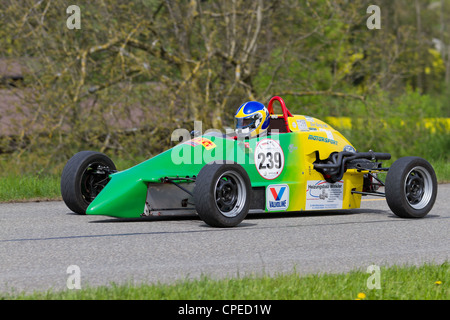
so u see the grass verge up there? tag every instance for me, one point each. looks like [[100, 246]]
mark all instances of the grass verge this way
[[29, 187], [426, 282], [19, 184]]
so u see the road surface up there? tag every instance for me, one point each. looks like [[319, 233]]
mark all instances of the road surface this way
[[39, 241]]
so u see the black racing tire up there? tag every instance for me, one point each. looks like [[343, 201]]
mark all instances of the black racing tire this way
[[83, 177], [411, 187], [222, 194]]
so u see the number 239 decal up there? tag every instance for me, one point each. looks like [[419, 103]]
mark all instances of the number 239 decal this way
[[269, 159]]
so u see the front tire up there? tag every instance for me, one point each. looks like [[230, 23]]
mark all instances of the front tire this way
[[222, 194], [83, 177], [411, 187]]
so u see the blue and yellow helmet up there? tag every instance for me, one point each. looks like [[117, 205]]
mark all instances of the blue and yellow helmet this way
[[252, 119]]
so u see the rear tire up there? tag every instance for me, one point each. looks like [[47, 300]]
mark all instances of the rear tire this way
[[411, 187], [83, 177], [222, 194]]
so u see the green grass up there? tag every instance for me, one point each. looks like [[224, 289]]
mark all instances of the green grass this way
[[442, 169], [29, 187], [19, 183], [428, 281]]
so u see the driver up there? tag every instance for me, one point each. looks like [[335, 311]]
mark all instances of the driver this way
[[251, 120]]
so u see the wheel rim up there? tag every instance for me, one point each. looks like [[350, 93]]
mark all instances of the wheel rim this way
[[93, 180], [418, 187], [230, 194]]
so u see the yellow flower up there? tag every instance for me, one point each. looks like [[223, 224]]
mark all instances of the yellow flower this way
[[438, 282], [361, 295]]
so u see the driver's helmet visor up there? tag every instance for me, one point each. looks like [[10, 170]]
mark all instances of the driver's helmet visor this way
[[247, 122]]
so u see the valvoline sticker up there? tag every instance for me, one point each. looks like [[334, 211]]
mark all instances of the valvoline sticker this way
[[277, 197]]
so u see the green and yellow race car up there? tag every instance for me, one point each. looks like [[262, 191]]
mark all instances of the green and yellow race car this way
[[269, 163]]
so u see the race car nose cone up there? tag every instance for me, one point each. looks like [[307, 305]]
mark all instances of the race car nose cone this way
[[122, 197]]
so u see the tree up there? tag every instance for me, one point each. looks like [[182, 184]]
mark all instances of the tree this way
[[136, 70]]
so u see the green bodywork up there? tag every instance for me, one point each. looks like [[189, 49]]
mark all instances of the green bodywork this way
[[125, 194]]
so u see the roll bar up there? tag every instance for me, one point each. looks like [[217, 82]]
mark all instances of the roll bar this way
[[286, 112]]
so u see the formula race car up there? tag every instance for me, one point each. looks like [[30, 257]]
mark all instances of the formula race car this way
[[298, 164]]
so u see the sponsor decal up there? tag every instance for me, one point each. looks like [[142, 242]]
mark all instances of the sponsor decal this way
[[208, 144], [313, 123], [328, 133], [277, 197], [269, 159], [319, 125], [322, 139], [322, 195], [302, 126]]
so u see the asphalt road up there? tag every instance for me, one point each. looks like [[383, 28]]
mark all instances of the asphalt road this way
[[39, 241]]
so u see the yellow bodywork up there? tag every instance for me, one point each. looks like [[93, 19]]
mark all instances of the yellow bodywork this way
[[312, 135]]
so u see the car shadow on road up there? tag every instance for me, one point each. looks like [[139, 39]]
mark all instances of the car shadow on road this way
[[250, 216], [305, 214]]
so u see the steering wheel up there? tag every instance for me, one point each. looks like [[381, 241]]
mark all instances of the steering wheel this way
[[286, 112]]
